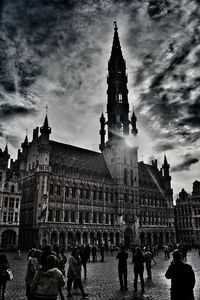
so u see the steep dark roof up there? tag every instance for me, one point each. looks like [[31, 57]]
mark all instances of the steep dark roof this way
[[79, 158], [150, 176]]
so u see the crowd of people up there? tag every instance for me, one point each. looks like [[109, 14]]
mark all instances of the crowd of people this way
[[46, 270]]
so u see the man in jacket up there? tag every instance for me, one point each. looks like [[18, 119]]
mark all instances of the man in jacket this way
[[182, 278], [122, 257]]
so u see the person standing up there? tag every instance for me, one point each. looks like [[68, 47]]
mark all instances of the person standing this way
[[102, 252], [48, 281], [74, 273], [94, 253], [84, 258], [148, 258], [138, 260], [4, 277], [122, 257], [166, 251], [182, 278], [32, 267]]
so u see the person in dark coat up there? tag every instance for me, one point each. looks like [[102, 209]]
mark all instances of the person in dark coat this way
[[84, 258], [4, 266], [102, 252], [182, 278], [139, 260], [94, 253], [122, 257]]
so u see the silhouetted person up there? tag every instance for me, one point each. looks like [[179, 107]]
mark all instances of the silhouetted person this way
[[102, 252], [84, 258], [94, 253], [74, 272], [4, 266], [122, 257], [138, 260], [148, 258], [182, 278], [166, 251]]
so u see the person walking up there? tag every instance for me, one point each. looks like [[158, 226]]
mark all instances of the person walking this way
[[84, 258], [182, 278], [138, 260], [148, 258], [47, 281], [166, 251], [32, 267], [94, 253], [4, 276], [122, 257], [74, 273], [102, 252], [62, 262]]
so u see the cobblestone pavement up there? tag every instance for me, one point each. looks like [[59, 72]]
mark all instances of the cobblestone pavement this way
[[102, 282]]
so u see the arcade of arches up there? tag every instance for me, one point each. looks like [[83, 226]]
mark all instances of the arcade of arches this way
[[153, 238], [71, 237]]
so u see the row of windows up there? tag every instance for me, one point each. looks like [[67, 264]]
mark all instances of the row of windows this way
[[10, 217], [85, 217], [11, 203], [152, 221], [86, 194], [185, 210], [152, 201]]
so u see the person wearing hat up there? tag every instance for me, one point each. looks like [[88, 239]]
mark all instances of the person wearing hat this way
[[182, 278]]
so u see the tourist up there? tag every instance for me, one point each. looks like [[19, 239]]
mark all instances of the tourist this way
[[74, 272], [32, 267], [94, 253], [182, 278], [102, 252], [48, 281], [4, 276], [88, 251], [84, 258], [62, 261], [166, 251], [122, 257], [148, 258], [138, 260]]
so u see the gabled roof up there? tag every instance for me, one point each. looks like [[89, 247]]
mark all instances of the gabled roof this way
[[150, 176], [78, 158]]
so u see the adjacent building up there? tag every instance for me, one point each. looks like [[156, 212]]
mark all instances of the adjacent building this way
[[187, 214], [10, 198], [75, 195]]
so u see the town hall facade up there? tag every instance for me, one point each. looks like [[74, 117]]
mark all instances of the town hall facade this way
[[74, 195]]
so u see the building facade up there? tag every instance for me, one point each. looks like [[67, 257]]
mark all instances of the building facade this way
[[74, 195], [187, 213], [10, 198]]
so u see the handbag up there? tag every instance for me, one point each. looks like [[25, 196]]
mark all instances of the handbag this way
[[10, 274]]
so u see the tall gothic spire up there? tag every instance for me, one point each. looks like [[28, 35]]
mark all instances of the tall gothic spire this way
[[116, 48], [45, 129]]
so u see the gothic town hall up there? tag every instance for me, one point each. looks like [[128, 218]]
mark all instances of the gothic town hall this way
[[74, 195]]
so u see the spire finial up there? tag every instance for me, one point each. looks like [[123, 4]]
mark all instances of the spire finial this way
[[115, 24], [46, 107], [6, 140]]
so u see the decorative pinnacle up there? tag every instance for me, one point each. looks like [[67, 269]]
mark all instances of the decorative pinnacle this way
[[46, 107], [115, 24]]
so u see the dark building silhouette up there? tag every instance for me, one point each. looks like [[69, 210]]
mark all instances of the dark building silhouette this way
[[187, 213], [75, 195]]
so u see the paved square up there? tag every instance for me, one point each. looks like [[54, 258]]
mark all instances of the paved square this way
[[102, 282]]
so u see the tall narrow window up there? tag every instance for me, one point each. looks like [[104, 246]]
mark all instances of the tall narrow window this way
[[50, 215], [120, 98], [125, 176], [73, 192], [132, 180], [57, 216], [58, 190], [51, 189]]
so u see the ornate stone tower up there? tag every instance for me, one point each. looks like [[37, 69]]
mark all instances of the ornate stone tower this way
[[121, 159]]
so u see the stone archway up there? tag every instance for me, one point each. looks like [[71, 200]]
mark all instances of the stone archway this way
[[155, 239], [70, 238], [117, 239], [160, 239], [62, 239], [8, 239], [148, 238], [98, 238], [128, 237], [85, 238], [105, 238], [92, 238], [78, 237], [54, 238], [142, 239], [167, 238], [111, 239]]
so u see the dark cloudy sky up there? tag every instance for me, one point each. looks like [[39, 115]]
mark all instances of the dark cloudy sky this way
[[55, 52]]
